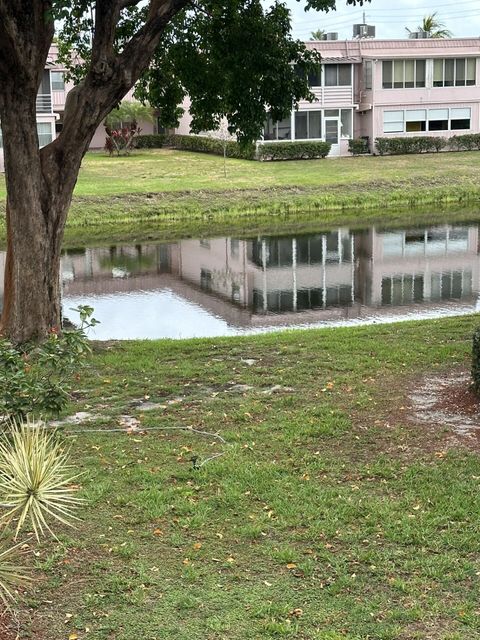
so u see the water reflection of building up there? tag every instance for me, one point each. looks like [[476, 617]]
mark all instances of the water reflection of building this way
[[305, 278]]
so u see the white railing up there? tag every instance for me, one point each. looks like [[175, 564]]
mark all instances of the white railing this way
[[333, 96], [44, 103], [58, 98]]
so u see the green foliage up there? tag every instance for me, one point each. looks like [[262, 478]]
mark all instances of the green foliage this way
[[426, 144], [293, 150], [12, 575], [35, 478], [129, 113], [233, 58], [151, 141], [466, 142], [358, 146], [476, 361], [36, 378], [203, 144], [432, 26]]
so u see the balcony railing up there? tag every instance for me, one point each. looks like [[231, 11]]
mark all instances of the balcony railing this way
[[44, 103], [59, 98]]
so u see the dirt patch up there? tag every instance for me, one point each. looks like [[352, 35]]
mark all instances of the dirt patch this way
[[447, 401], [9, 627]]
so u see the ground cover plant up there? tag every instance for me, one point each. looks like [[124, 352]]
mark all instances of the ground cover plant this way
[[267, 487]]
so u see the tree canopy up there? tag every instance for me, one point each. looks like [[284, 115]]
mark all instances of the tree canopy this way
[[233, 58]]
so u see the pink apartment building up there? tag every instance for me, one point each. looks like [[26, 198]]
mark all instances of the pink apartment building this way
[[364, 88], [380, 88]]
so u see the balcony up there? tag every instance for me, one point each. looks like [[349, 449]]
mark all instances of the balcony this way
[[333, 97], [44, 103]]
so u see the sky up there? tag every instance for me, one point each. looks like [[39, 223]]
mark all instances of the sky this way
[[461, 17]]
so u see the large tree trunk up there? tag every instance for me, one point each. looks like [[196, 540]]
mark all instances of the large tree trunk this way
[[39, 188]]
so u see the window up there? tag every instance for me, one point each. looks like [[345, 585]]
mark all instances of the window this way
[[308, 125], [338, 75], [315, 77], [281, 130], [393, 121], [418, 120], [460, 118], [402, 289], [415, 120], [205, 279], [438, 119], [44, 130], [403, 74], [58, 81], [367, 74], [454, 72], [347, 127]]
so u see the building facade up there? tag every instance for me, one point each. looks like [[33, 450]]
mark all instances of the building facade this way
[[384, 88]]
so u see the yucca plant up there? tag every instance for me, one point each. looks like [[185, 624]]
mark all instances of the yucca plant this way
[[12, 575], [35, 474]]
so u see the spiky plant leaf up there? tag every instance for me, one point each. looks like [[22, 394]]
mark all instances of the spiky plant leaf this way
[[35, 478], [11, 574]]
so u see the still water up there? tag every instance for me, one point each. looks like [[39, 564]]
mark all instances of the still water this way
[[231, 286]]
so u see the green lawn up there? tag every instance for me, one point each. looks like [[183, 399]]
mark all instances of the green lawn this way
[[159, 192], [329, 516], [166, 170]]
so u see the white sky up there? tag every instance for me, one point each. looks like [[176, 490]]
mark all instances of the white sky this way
[[461, 17]]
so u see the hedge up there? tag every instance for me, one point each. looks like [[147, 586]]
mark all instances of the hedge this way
[[203, 144], [358, 146], [293, 150], [476, 361], [151, 141], [424, 144]]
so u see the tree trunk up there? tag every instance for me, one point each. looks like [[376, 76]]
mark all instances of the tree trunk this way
[[39, 194]]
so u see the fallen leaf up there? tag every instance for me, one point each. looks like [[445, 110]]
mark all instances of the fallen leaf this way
[[291, 565]]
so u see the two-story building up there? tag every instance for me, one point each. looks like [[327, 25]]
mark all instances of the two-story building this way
[[379, 88]]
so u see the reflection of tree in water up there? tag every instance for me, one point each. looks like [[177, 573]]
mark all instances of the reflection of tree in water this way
[[129, 261]]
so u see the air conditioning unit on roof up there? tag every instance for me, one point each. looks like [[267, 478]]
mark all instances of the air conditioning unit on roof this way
[[363, 31], [332, 35]]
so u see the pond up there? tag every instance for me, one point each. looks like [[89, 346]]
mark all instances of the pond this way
[[232, 285]]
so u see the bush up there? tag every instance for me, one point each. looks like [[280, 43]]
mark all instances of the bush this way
[[467, 142], [204, 144], [35, 379], [293, 150], [417, 144], [358, 146], [476, 361], [151, 141]]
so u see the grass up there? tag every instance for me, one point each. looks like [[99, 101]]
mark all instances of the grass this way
[[328, 516], [165, 191]]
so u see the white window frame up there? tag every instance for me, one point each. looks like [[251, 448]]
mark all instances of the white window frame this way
[[404, 119]]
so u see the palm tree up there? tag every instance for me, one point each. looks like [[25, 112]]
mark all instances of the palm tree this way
[[432, 27], [318, 34]]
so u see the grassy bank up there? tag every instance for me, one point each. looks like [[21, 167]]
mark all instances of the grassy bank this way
[[153, 192], [330, 515]]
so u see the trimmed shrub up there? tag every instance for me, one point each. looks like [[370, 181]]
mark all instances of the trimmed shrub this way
[[293, 150], [467, 142], [476, 361], [151, 141], [204, 144], [417, 144], [358, 146]]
